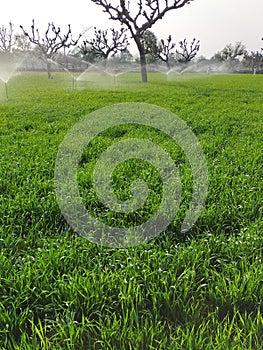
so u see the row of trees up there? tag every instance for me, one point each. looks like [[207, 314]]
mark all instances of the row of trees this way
[[233, 53], [102, 45], [106, 43], [139, 18], [136, 20]]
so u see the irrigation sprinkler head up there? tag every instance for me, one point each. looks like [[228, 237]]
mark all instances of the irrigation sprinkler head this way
[[6, 91]]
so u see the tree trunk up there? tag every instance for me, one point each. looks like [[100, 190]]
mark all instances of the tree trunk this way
[[143, 67], [142, 58], [49, 75]]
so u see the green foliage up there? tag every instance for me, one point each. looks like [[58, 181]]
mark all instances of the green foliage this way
[[198, 291], [149, 41]]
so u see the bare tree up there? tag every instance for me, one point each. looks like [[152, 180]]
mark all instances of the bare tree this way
[[105, 43], [52, 41], [253, 60], [7, 38], [230, 52], [138, 18], [165, 51], [187, 53]]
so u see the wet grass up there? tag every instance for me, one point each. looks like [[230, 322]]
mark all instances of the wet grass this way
[[202, 290]]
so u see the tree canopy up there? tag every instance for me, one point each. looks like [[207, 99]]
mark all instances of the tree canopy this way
[[138, 18]]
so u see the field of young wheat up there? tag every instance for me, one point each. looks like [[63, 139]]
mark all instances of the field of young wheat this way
[[198, 290]]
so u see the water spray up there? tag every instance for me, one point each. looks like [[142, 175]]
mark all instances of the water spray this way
[[74, 82], [8, 65], [6, 91], [66, 70]]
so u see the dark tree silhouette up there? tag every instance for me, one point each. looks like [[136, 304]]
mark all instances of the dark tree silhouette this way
[[52, 41], [7, 38], [187, 53], [165, 51], [138, 18], [105, 43]]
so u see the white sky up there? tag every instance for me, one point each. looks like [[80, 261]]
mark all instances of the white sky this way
[[214, 22]]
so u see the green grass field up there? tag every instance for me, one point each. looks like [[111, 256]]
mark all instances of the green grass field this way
[[201, 290]]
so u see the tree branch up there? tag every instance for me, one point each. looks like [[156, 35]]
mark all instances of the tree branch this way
[[186, 55], [164, 52], [148, 12], [7, 38], [52, 41], [103, 43], [138, 19]]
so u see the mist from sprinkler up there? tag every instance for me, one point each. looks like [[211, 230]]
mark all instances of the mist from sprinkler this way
[[105, 73], [9, 63]]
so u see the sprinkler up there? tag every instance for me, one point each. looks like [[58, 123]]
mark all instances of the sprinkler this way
[[74, 82], [6, 92], [8, 66]]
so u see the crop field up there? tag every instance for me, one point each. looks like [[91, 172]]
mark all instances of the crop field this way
[[199, 290]]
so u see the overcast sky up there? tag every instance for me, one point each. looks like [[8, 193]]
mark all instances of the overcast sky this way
[[214, 22]]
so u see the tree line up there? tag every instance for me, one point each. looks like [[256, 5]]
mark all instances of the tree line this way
[[136, 22]]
